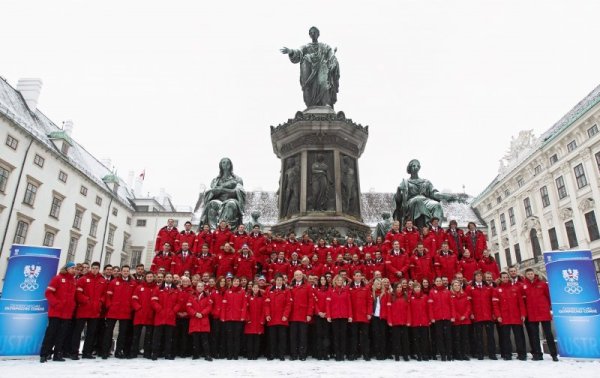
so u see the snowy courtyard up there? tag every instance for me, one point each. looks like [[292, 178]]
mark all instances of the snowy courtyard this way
[[30, 367]]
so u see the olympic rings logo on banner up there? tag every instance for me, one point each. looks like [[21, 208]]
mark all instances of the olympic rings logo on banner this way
[[29, 286]]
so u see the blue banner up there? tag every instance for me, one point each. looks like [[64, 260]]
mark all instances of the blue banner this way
[[23, 306], [575, 302]]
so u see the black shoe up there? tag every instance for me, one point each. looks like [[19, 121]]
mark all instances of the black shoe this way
[[119, 354], [195, 357], [406, 358], [74, 356], [493, 357], [396, 358], [154, 357], [58, 358], [367, 358], [537, 358], [293, 358], [269, 358], [443, 358], [132, 356], [169, 358], [555, 358], [522, 358], [208, 359], [88, 357], [43, 359], [281, 358], [302, 358], [480, 357]]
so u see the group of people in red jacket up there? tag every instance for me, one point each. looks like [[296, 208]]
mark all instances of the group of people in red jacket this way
[[220, 294]]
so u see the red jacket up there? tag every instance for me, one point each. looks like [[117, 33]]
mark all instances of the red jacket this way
[[461, 307], [481, 302], [166, 236], [205, 264], [379, 266], [411, 238], [537, 300], [203, 237], [399, 311], [419, 310], [244, 266], [445, 265], [489, 265], [291, 246], [306, 249], [224, 263], [354, 249], [455, 240], [141, 302], [322, 252], [186, 237], [278, 304], [199, 303], [255, 324], [368, 266], [362, 303], [301, 296], [189, 263], [278, 266], [239, 239], [90, 296], [60, 294], [321, 295], [475, 243], [383, 301], [165, 303], [421, 267], [508, 304], [370, 248], [440, 237], [216, 296], [430, 242], [220, 237], [339, 304], [256, 243], [162, 260], [234, 305], [393, 236], [396, 263], [118, 298], [183, 298], [440, 307], [468, 267], [270, 246]]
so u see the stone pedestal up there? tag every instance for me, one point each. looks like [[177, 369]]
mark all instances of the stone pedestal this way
[[319, 183]]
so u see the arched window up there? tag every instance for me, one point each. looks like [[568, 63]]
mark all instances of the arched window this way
[[535, 244]]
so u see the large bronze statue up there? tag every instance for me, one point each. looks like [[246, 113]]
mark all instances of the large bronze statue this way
[[225, 199], [417, 200], [320, 183], [291, 189], [385, 225], [319, 71], [348, 185]]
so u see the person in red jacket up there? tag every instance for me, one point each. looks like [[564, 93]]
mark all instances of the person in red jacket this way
[[399, 320], [278, 306], [143, 318], [185, 261], [362, 310], [60, 294], [255, 325], [461, 319], [421, 264], [509, 310], [322, 250], [90, 297], [455, 237], [203, 237], [240, 237], [165, 302], [221, 236], [396, 263], [445, 262], [482, 315], [280, 266], [322, 330], [256, 243], [118, 302], [429, 240], [379, 298], [164, 259], [182, 340], [475, 241], [198, 307], [489, 264], [411, 236], [186, 236], [205, 261], [420, 322], [379, 264], [467, 265], [394, 234], [225, 261], [233, 313], [245, 264], [537, 304], [167, 234], [217, 338], [438, 232], [336, 248], [370, 246], [339, 314], [301, 296], [440, 308]]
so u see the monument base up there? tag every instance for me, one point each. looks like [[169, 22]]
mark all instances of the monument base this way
[[323, 225]]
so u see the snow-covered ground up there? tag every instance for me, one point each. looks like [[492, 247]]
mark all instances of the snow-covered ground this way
[[30, 367]]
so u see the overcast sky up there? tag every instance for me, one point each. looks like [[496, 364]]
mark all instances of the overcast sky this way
[[173, 86]]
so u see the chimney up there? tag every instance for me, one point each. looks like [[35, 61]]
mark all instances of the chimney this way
[[68, 127], [30, 90]]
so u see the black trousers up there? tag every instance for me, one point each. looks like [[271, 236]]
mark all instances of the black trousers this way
[[68, 339], [135, 344], [200, 339], [100, 335], [252, 346], [339, 329], [443, 338], [277, 340], [533, 332], [506, 344], [421, 341], [90, 335], [157, 335], [216, 346], [124, 326], [298, 339], [322, 342], [400, 341], [460, 337], [182, 339], [478, 329], [379, 338], [359, 339], [54, 337], [234, 331]]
